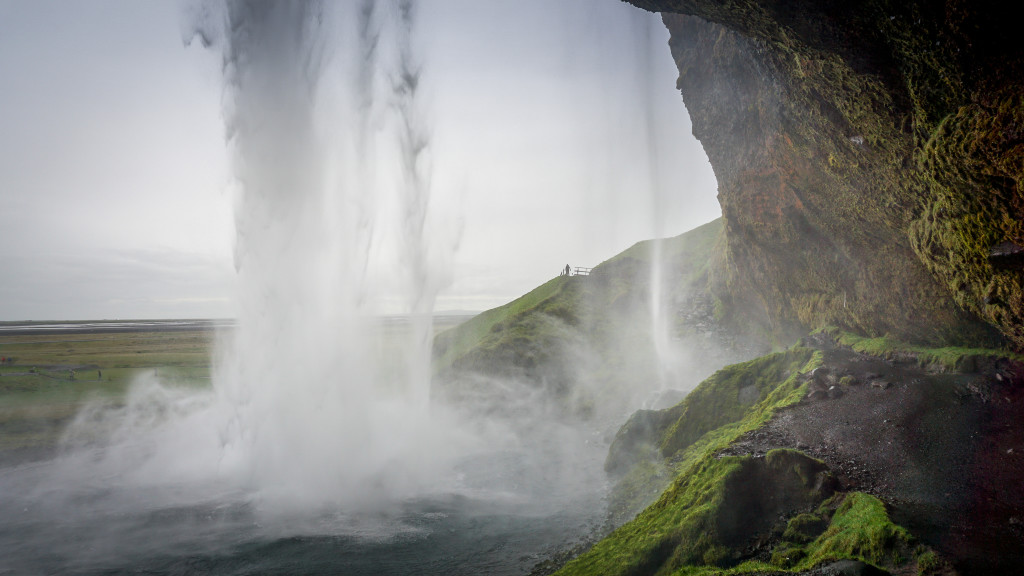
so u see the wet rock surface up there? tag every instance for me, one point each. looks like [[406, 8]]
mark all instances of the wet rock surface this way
[[840, 568], [1008, 255], [945, 451]]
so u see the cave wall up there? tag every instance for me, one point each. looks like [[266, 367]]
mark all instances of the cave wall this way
[[869, 158]]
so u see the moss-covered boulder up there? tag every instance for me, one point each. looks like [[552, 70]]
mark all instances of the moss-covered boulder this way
[[708, 515], [655, 445]]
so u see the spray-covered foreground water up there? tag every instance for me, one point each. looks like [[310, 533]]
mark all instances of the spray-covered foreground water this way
[[112, 508]]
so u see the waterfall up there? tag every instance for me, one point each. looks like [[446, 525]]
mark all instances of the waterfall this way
[[331, 158]]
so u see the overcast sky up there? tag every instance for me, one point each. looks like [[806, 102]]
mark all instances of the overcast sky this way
[[115, 187]]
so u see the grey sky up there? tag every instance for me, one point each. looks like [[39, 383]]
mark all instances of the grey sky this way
[[115, 196]]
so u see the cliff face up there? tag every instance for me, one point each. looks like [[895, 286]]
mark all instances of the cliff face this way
[[869, 159]]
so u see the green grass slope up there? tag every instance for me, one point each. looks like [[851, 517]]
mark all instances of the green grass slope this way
[[585, 339], [578, 299]]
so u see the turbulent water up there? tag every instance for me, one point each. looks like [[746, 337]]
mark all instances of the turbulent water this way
[[487, 523], [317, 449]]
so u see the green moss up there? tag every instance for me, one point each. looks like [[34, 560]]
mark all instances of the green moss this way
[[705, 515], [684, 526], [928, 561], [974, 166], [849, 526], [860, 529], [731, 393], [744, 568], [683, 516], [786, 556], [948, 358], [804, 528], [639, 488]]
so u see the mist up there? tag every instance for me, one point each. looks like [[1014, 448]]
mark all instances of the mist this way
[[321, 422]]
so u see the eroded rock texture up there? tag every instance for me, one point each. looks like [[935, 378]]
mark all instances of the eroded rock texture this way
[[869, 157]]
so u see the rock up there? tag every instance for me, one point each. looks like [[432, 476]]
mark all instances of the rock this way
[[835, 392], [668, 398], [634, 442], [819, 386], [980, 388], [1008, 255], [849, 568], [880, 384]]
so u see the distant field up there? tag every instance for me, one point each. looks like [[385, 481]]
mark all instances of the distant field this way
[[47, 377], [50, 373]]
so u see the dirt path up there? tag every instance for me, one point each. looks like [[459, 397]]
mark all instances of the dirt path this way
[[945, 451]]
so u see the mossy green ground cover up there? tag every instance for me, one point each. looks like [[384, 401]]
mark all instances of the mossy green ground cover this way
[[946, 358], [859, 528]]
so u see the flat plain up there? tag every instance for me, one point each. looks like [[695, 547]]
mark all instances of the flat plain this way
[[47, 377], [48, 374]]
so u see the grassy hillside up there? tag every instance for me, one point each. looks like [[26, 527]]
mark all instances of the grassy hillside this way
[[588, 341], [574, 298]]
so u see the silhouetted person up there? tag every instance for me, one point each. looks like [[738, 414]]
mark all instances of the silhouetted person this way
[[566, 269]]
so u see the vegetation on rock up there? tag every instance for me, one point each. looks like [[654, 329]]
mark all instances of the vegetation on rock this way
[[720, 514], [869, 160]]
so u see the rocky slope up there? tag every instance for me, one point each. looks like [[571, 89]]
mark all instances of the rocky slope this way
[[798, 460]]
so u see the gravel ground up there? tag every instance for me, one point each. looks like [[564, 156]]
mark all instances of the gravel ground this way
[[944, 451]]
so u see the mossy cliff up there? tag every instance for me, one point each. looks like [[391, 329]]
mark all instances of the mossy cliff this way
[[869, 157]]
